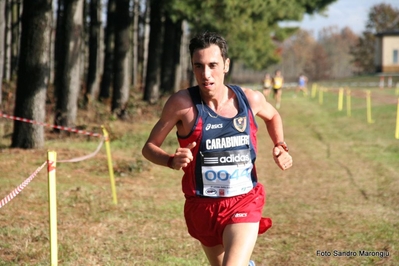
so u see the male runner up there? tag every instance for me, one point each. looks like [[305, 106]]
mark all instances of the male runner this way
[[216, 130]]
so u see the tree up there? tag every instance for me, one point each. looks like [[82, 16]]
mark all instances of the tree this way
[[2, 30], [145, 37], [33, 73], [121, 81], [151, 91], [7, 41], [170, 54], [135, 43], [319, 65], [329, 56], [93, 74], [250, 28], [109, 37], [382, 17], [15, 35], [68, 67], [297, 53], [337, 45]]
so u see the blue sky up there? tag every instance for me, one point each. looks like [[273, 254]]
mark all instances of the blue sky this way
[[342, 13]]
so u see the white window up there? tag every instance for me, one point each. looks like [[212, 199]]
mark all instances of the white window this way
[[395, 56]]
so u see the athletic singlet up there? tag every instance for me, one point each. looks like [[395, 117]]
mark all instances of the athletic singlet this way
[[267, 83], [225, 154], [277, 82], [301, 81]]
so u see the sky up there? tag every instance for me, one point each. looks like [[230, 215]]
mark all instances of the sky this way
[[342, 13]]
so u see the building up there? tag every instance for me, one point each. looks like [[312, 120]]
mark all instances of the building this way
[[387, 52]]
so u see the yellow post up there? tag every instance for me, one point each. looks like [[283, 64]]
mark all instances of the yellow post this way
[[110, 166], [340, 99], [348, 102], [314, 90], [368, 99], [52, 192], [321, 96], [397, 122]]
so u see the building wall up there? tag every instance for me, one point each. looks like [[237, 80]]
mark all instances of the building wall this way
[[389, 44]]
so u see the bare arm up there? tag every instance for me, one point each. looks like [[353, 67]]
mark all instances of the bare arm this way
[[173, 113], [261, 108]]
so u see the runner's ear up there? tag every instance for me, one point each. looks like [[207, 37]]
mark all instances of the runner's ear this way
[[226, 65]]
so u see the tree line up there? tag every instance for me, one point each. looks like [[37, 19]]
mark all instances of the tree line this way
[[104, 49], [325, 58], [336, 53]]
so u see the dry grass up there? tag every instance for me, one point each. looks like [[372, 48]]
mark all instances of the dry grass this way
[[342, 194]]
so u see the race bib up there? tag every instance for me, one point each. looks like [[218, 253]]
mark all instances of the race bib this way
[[226, 174]]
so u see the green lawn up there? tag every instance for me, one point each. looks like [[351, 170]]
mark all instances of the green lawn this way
[[341, 196]]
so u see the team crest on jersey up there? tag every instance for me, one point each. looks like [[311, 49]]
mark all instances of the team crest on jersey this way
[[240, 123]]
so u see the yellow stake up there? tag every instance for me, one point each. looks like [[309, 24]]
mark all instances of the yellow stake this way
[[110, 166], [348, 102], [321, 96], [397, 122], [314, 90], [340, 99], [368, 98], [52, 193]]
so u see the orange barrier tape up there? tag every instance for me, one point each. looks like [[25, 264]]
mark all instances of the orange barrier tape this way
[[48, 125], [79, 159], [16, 191]]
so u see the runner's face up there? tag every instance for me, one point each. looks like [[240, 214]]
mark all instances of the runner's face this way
[[209, 68]]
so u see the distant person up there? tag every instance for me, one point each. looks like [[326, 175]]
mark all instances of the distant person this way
[[302, 85], [277, 83], [381, 84], [216, 127], [267, 85], [389, 82]]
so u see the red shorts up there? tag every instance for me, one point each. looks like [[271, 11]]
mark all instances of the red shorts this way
[[206, 218]]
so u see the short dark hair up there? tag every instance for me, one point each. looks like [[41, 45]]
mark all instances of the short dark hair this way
[[206, 39]]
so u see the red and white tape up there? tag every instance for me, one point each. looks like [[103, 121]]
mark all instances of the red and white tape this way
[[48, 125], [85, 157], [16, 191]]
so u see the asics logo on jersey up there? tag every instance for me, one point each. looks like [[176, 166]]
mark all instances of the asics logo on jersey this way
[[214, 126]]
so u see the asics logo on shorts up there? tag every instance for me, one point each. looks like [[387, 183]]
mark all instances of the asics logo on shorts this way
[[240, 215]]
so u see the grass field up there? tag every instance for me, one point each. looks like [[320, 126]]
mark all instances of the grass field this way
[[341, 196]]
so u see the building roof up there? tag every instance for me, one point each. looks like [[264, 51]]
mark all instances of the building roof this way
[[387, 33]]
